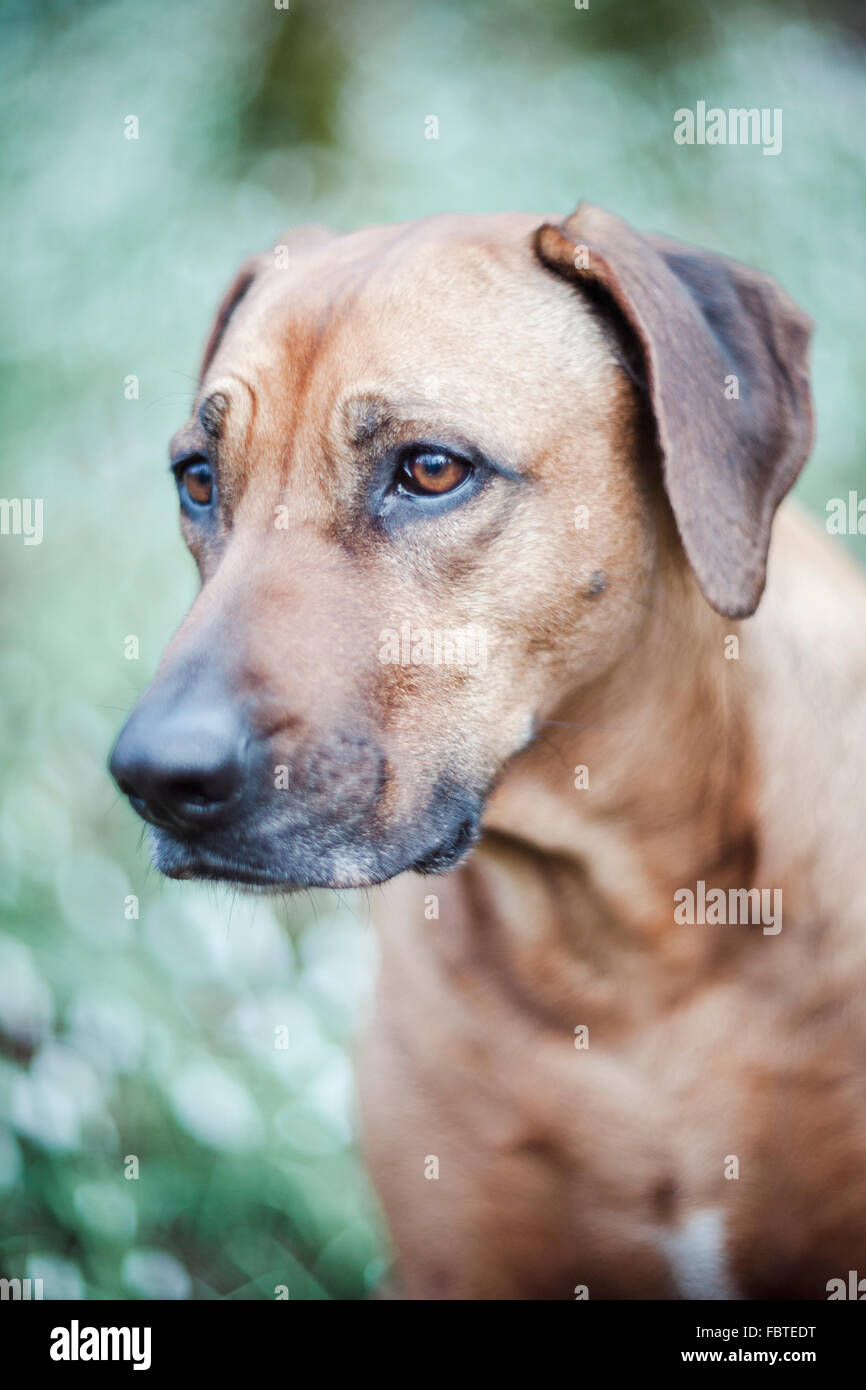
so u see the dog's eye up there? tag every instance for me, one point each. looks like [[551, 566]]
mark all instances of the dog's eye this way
[[196, 480], [430, 473]]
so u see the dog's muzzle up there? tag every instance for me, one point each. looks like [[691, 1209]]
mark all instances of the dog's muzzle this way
[[299, 808]]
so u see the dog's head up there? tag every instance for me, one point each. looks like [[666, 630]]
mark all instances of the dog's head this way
[[417, 457]]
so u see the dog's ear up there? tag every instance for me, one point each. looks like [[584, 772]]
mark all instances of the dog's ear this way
[[724, 354]]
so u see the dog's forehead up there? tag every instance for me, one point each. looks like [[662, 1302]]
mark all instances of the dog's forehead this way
[[454, 310], [432, 285], [429, 241], [433, 271]]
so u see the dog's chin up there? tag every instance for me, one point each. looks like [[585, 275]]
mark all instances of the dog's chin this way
[[285, 868]]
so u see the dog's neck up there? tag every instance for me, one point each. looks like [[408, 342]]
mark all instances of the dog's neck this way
[[644, 781]]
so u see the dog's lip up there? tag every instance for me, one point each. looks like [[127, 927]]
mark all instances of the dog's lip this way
[[193, 861], [227, 872], [277, 859], [224, 874], [189, 863]]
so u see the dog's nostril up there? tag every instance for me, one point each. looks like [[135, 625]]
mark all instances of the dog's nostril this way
[[188, 793]]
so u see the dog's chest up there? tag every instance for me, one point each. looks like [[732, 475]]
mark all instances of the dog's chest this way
[[691, 1154]]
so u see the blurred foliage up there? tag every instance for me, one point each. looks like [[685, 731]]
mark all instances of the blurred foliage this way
[[155, 1036]]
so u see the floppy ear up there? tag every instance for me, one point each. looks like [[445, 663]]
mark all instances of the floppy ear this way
[[730, 449]]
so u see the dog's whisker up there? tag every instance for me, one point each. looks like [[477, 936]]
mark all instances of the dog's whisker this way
[[170, 396]]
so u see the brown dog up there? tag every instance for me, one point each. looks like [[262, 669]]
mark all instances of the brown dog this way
[[479, 505]]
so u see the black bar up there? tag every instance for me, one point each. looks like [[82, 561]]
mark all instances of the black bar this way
[[266, 1337]]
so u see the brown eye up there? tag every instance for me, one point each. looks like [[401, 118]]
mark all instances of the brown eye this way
[[431, 474], [197, 479]]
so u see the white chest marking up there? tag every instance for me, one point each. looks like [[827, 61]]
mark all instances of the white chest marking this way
[[696, 1251]]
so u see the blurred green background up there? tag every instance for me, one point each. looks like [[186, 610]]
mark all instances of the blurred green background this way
[[154, 1036]]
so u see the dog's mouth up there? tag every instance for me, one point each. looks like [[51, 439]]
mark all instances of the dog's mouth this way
[[176, 858], [453, 851], [315, 858]]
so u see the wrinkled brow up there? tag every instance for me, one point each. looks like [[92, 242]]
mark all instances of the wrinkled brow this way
[[368, 417], [212, 413], [204, 428]]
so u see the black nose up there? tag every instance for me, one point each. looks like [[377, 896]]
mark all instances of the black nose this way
[[183, 766]]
